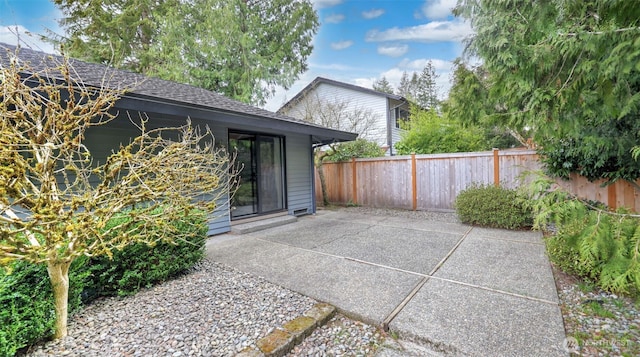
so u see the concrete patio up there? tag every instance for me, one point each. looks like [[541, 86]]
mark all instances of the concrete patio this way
[[444, 288]]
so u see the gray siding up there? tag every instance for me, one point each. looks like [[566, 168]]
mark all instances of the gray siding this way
[[299, 185], [102, 140]]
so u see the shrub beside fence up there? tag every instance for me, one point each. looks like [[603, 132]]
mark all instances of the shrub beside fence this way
[[432, 182]]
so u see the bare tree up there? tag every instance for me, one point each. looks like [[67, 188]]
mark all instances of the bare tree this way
[[55, 202], [340, 114]]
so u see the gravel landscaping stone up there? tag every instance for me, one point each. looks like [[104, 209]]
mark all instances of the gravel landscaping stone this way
[[211, 311], [214, 310], [447, 217], [340, 337], [597, 323]]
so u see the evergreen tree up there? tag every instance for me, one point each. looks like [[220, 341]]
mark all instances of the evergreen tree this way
[[243, 49], [427, 91], [414, 85], [468, 99], [569, 70], [469, 104], [383, 85], [404, 89]]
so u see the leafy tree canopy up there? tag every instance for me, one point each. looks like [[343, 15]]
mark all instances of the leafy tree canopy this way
[[429, 133], [470, 105], [243, 49], [357, 148], [468, 100], [570, 70]]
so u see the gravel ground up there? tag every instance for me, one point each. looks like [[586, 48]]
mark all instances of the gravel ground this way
[[449, 217], [340, 337], [217, 311], [212, 311], [598, 323]]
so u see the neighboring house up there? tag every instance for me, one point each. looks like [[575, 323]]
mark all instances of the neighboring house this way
[[276, 151], [324, 100]]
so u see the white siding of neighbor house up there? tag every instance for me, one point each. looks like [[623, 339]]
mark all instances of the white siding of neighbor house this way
[[396, 133], [357, 99], [299, 185]]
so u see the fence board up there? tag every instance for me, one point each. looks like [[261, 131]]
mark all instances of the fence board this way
[[387, 182]]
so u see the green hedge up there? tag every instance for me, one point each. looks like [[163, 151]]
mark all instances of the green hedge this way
[[27, 314], [493, 206], [140, 266]]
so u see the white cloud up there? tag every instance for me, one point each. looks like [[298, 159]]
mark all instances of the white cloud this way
[[431, 32], [334, 18], [438, 9], [372, 14], [341, 45], [393, 51], [364, 82], [332, 67], [419, 64], [10, 35], [320, 4]]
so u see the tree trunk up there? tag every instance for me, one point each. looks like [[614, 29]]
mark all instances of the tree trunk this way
[[323, 184], [59, 277]]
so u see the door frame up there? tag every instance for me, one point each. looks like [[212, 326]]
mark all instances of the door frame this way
[[256, 157]]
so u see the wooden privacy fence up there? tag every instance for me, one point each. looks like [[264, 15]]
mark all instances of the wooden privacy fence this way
[[432, 182]]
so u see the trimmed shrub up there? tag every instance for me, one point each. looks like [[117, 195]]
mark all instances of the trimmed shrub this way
[[28, 315], [358, 148], [492, 206], [141, 266]]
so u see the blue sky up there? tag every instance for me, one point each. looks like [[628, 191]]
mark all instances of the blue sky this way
[[358, 41]]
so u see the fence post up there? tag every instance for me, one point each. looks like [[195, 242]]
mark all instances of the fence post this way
[[414, 182], [496, 167], [612, 200], [354, 181]]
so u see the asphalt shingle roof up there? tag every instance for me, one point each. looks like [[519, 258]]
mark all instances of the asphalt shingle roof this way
[[318, 80], [94, 75]]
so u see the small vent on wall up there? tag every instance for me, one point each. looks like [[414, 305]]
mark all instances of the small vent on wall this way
[[300, 212]]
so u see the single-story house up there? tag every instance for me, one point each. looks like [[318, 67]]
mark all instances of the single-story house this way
[[275, 150], [388, 110]]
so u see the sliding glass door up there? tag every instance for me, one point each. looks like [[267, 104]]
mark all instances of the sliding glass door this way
[[262, 186]]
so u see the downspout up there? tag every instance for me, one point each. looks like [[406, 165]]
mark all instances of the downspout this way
[[313, 173], [390, 127]]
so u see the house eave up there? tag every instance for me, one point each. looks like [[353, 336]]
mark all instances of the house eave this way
[[144, 103]]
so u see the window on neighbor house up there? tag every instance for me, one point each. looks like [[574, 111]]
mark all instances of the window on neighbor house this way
[[402, 116]]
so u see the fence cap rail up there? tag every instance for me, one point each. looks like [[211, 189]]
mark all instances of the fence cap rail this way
[[507, 152]]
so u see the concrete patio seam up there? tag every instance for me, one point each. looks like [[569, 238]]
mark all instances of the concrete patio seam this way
[[424, 276], [384, 266], [496, 291], [446, 257], [302, 249], [382, 224], [416, 289]]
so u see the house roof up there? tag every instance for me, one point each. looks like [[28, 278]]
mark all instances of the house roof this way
[[169, 92], [319, 80]]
